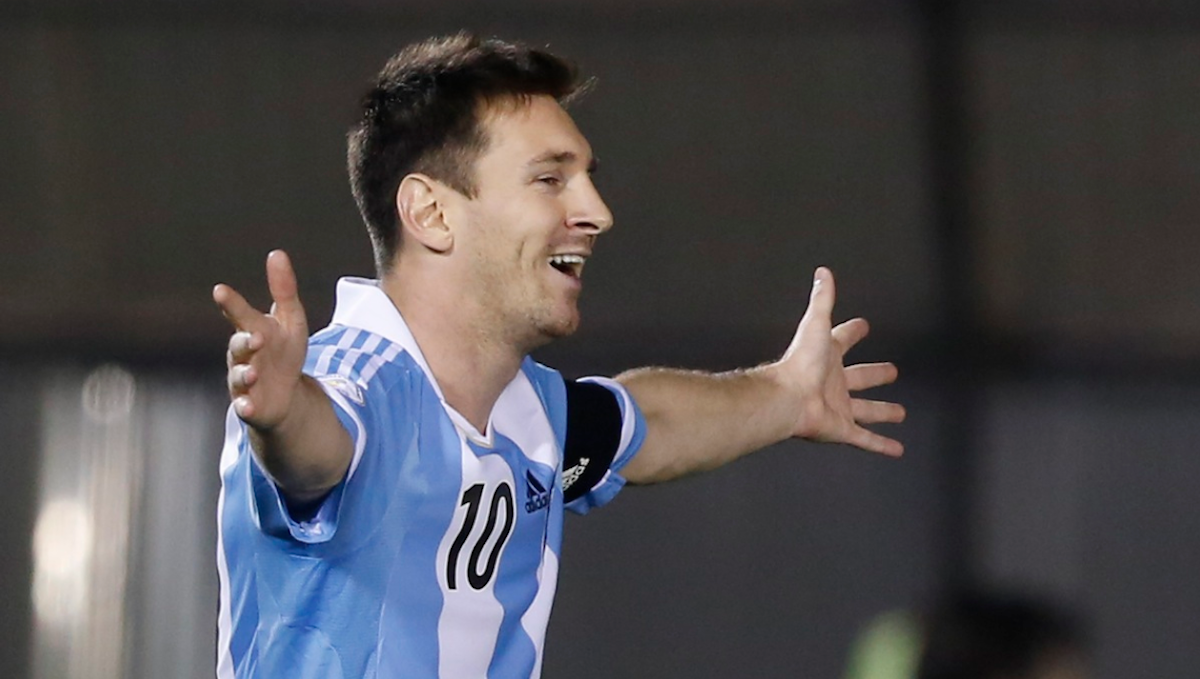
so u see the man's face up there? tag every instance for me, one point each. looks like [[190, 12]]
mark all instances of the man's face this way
[[532, 223]]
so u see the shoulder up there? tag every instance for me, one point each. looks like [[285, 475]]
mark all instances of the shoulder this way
[[547, 383], [346, 356]]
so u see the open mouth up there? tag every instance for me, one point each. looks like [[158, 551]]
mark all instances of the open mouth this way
[[570, 265]]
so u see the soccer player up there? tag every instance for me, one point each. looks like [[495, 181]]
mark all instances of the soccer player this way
[[393, 487]]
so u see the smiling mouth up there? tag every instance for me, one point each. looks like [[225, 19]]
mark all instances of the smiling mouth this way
[[570, 265]]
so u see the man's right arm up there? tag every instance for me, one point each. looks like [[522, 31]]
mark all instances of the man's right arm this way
[[293, 429]]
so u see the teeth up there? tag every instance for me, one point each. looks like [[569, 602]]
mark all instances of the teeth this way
[[564, 260]]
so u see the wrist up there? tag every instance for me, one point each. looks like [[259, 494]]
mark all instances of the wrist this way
[[783, 412]]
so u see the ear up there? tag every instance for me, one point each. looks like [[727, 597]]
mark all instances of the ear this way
[[422, 214]]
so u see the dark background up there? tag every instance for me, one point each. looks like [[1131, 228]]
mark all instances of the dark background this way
[[1006, 190]]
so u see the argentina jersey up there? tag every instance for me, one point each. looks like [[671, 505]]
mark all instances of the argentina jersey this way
[[437, 555]]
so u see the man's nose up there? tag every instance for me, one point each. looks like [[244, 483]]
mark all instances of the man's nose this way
[[590, 213]]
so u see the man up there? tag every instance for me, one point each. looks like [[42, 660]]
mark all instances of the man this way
[[980, 634], [975, 634], [393, 488]]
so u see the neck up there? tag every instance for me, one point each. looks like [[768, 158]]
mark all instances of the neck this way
[[471, 364]]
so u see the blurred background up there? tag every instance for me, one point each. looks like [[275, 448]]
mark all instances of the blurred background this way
[[1007, 190]]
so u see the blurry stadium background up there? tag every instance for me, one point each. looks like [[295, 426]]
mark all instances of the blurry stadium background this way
[[1008, 191]]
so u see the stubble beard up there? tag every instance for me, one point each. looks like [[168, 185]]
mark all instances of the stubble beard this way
[[559, 328], [525, 315], [543, 322]]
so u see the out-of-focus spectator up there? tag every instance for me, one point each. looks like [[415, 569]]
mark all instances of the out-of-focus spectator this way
[[1000, 636], [975, 635]]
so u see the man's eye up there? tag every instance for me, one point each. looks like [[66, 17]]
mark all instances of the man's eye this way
[[549, 180]]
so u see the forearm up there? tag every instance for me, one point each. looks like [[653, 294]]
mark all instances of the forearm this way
[[309, 451], [698, 421]]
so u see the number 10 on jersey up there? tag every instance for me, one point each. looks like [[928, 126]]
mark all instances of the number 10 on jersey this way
[[481, 570]]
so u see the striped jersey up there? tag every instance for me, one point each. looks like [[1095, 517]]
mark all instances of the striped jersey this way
[[437, 555]]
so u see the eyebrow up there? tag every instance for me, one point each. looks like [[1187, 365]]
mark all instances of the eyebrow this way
[[562, 158]]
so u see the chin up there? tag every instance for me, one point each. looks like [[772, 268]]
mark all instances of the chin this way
[[561, 327], [552, 327], [566, 329]]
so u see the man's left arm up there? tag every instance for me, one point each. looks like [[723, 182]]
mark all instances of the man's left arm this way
[[699, 421]]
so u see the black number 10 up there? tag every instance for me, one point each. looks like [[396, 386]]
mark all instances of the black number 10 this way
[[472, 499]]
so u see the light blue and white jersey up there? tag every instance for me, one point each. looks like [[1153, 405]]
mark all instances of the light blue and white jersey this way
[[437, 555]]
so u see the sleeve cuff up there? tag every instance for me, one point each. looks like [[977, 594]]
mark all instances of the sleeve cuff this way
[[633, 433], [317, 524]]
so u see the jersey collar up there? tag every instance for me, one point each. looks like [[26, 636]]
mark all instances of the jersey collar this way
[[362, 304]]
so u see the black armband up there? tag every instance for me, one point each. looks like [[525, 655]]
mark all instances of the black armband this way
[[593, 437]]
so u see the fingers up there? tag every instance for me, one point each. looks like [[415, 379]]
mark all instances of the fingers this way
[[244, 407], [850, 333], [235, 307], [872, 412], [242, 346], [867, 375], [266, 353], [874, 443], [281, 280], [241, 377]]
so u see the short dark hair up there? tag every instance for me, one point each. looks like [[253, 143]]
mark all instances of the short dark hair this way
[[424, 115]]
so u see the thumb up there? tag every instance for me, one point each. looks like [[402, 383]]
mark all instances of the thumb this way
[[820, 301], [281, 280], [817, 320]]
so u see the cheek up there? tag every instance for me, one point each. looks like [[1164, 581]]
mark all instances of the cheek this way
[[517, 231], [487, 235]]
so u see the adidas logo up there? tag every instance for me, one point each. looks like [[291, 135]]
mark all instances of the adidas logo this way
[[570, 476], [536, 495]]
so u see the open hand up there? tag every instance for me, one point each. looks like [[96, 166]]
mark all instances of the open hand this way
[[812, 370], [267, 351]]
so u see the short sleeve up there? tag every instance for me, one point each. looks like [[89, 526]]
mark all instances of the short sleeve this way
[[605, 429], [340, 371]]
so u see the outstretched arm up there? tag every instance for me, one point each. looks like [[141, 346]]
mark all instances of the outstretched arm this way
[[293, 428], [699, 421]]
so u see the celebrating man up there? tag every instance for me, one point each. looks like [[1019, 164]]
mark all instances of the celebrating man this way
[[394, 486]]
